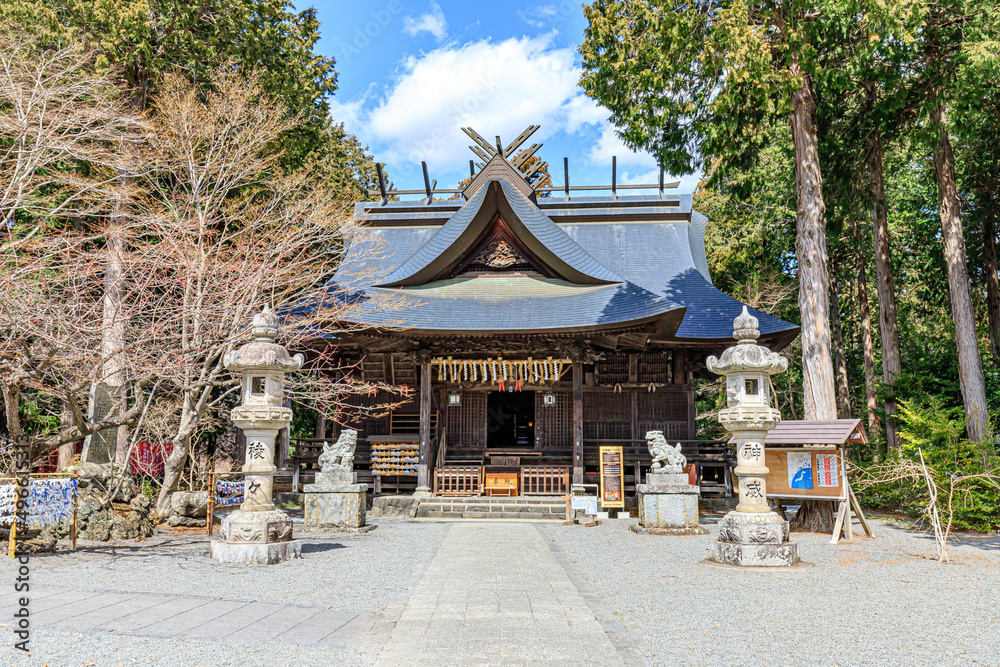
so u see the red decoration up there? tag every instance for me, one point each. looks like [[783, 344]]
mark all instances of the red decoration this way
[[148, 459]]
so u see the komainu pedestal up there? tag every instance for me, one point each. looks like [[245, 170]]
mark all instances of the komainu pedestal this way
[[340, 506], [336, 500], [668, 503]]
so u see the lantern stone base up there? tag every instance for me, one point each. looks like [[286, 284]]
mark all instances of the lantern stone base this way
[[668, 503], [339, 506], [255, 554], [262, 538], [754, 539]]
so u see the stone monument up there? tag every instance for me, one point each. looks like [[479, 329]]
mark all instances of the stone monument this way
[[336, 500], [668, 504], [258, 532], [751, 535]]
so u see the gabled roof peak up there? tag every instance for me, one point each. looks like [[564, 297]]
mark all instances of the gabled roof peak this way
[[458, 241], [496, 169]]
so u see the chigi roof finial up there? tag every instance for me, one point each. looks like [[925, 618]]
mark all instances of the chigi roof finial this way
[[487, 151]]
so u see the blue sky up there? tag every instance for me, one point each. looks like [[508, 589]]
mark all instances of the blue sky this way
[[411, 74]]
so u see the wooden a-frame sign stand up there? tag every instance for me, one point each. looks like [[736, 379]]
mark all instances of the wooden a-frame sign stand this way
[[846, 511], [819, 447]]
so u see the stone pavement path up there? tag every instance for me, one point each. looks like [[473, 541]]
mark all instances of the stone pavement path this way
[[190, 617], [495, 593]]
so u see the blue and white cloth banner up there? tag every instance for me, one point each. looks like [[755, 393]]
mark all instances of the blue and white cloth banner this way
[[49, 501], [228, 493]]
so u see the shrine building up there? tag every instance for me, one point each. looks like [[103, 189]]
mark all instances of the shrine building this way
[[538, 326]]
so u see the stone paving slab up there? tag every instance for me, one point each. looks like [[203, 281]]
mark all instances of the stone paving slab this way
[[316, 628], [193, 618], [112, 612], [155, 616], [271, 627], [225, 624], [473, 605], [70, 615]]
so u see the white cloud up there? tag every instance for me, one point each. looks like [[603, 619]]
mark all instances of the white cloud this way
[[609, 145], [349, 113], [497, 88], [539, 17], [432, 22]]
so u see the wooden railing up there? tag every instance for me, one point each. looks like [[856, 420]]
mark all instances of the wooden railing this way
[[458, 481], [544, 480]]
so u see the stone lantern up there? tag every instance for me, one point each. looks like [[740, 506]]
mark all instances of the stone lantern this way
[[752, 534], [257, 532]]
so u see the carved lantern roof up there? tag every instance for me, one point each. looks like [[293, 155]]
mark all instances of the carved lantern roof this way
[[263, 354], [746, 355]]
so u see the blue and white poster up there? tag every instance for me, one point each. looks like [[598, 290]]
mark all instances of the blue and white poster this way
[[800, 470]]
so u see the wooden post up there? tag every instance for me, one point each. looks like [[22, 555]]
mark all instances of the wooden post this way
[[284, 440], [577, 422], [423, 468], [210, 514], [680, 366], [76, 504], [320, 425]]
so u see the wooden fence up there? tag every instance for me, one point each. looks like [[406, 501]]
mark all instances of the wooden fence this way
[[458, 481], [544, 480]]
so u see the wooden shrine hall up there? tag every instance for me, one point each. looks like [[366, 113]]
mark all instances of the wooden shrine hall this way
[[538, 326]]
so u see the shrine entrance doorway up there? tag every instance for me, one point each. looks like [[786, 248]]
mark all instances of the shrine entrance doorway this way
[[510, 419]]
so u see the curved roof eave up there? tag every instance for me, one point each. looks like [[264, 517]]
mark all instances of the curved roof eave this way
[[535, 229]]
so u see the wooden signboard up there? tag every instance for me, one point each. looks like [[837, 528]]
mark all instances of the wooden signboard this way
[[612, 478], [806, 474], [497, 483]]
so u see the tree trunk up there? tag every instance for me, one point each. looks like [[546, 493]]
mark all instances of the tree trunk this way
[[814, 516], [113, 332], [871, 395], [840, 360], [810, 250], [888, 321], [11, 404], [67, 450], [173, 467], [992, 281], [970, 365]]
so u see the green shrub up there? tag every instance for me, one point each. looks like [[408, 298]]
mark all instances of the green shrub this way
[[955, 464]]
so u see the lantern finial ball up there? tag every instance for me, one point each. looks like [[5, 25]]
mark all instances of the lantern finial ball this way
[[745, 327], [265, 325]]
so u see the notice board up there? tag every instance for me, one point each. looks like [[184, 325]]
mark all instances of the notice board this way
[[807, 474], [612, 478]]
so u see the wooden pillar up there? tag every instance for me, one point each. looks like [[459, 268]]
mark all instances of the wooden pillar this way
[[634, 400], [423, 468], [680, 366], [284, 440], [320, 425], [577, 422]]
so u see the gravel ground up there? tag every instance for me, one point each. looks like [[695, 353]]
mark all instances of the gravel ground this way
[[366, 571], [875, 602], [882, 601], [85, 649]]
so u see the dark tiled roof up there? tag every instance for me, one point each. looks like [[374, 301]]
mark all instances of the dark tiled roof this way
[[464, 227], [518, 304], [641, 257]]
